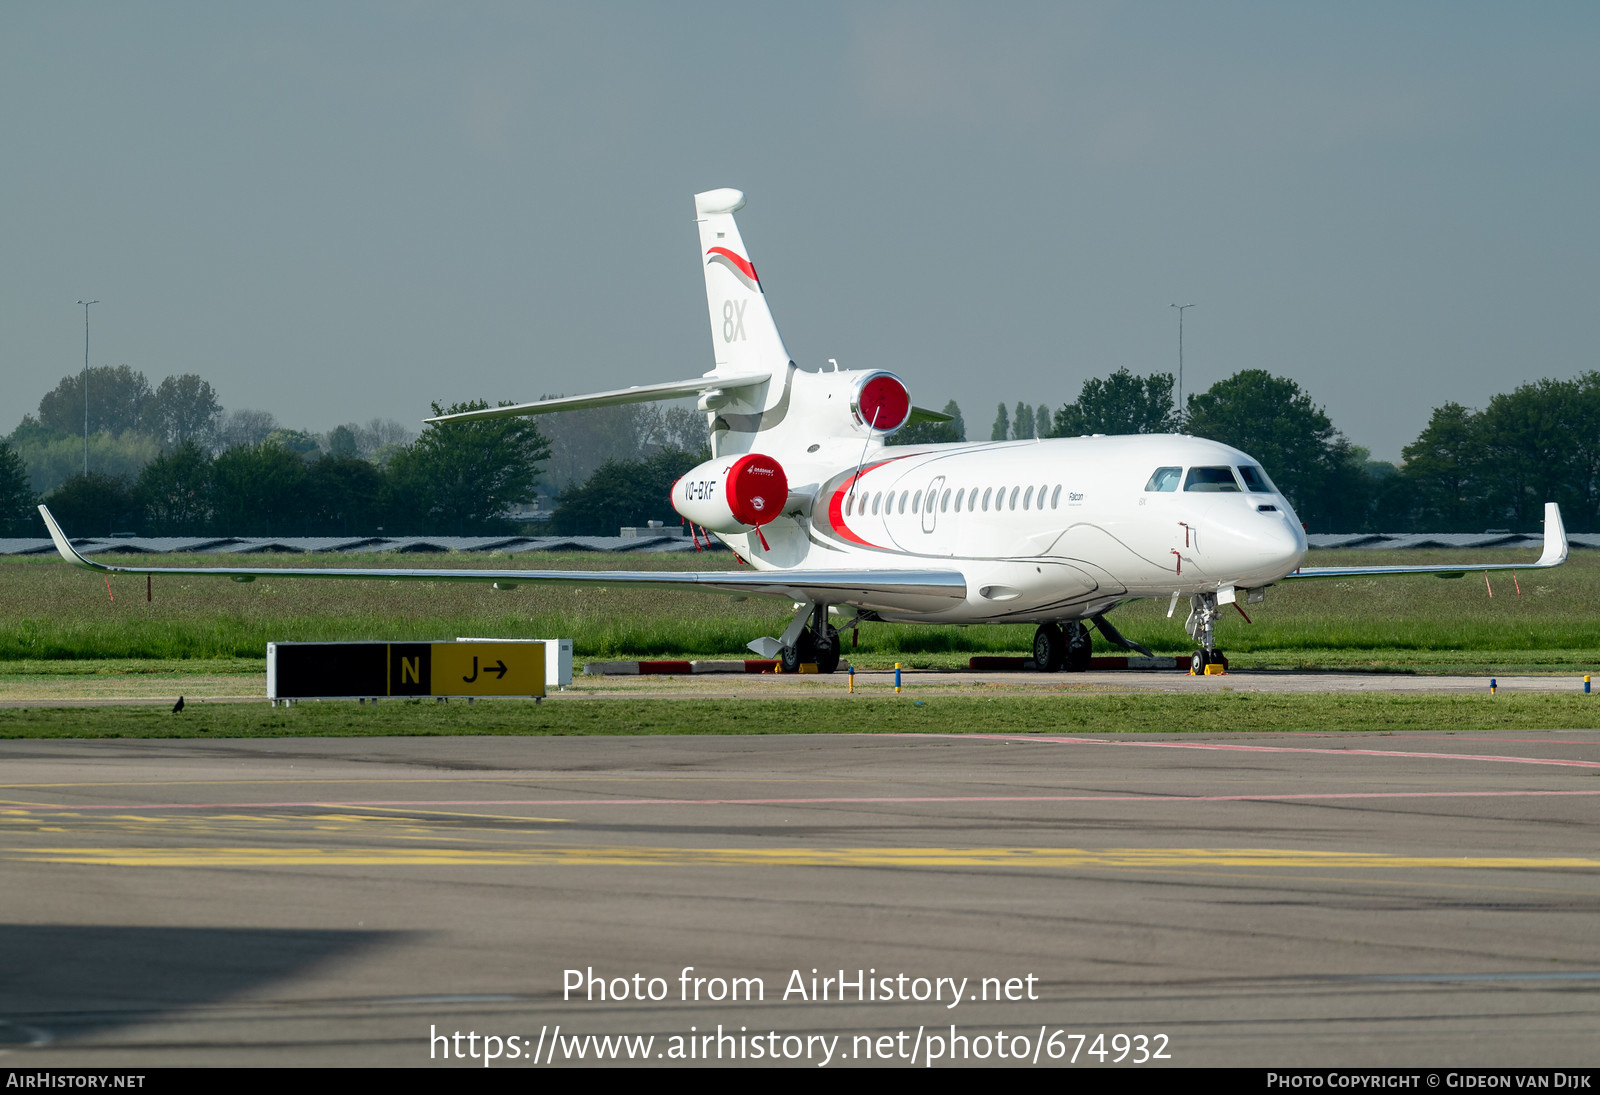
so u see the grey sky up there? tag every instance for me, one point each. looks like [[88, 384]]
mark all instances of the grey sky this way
[[336, 211]]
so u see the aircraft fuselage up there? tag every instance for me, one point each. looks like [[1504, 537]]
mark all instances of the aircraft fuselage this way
[[1050, 529]]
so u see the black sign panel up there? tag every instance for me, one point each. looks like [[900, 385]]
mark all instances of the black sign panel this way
[[349, 670]]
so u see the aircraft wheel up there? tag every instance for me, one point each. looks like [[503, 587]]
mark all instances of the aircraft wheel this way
[[1049, 648], [1197, 663], [804, 650], [827, 651], [1080, 647]]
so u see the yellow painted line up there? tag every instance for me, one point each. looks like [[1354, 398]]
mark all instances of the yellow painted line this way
[[1115, 858], [379, 780]]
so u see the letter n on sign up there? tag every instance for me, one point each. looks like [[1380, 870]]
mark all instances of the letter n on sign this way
[[410, 669]]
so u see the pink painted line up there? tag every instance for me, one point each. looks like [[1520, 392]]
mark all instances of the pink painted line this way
[[866, 800], [1520, 741], [1289, 749]]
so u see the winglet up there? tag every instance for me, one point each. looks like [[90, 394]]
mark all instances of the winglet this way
[[63, 545], [1555, 537]]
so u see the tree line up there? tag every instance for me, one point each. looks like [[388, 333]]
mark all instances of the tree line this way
[[1468, 470], [129, 424], [457, 480]]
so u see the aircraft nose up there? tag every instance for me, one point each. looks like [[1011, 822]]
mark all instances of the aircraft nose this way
[[1283, 542], [1270, 544]]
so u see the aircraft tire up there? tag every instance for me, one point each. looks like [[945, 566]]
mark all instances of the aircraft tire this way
[[804, 650], [827, 651], [1049, 648]]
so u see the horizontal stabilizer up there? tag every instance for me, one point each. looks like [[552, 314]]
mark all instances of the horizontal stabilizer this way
[[644, 393]]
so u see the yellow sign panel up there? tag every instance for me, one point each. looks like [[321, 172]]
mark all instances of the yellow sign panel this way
[[487, 669]]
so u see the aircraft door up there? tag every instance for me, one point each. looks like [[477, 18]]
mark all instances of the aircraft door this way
[[930, 510]]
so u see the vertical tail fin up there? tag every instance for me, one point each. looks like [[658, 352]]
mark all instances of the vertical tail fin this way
[[743, 335]]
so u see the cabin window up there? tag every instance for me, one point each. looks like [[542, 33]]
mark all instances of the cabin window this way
[[1214, 480], [1055, 497], [1255, 480], [987, 491], [944, 503], [1164, 480], [1027, 498], [849, 503], [876, 499], [960, 494], [916, 500], [972, 500], [1014, 491]]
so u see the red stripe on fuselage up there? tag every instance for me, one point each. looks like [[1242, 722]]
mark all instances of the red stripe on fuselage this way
[[836, 505]]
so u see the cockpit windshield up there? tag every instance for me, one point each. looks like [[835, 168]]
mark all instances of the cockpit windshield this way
[[1256, 480], [1164, 479], [1211, 479]]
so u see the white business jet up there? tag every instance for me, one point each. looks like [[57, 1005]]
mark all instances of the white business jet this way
[[801, 484]]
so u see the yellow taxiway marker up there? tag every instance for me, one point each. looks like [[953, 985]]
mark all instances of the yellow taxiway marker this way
[[1114, 858]]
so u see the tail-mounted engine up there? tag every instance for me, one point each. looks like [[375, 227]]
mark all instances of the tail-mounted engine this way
[[733, 494], [845, 402], [881, 402]]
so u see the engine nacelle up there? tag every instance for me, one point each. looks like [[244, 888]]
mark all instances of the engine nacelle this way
[[880, 401], [733, 493]]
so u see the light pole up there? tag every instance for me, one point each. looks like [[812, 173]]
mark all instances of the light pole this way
[[86, 304], [1180, 308]]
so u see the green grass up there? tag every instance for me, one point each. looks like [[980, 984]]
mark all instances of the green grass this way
[[1054, 713], [57, 613]]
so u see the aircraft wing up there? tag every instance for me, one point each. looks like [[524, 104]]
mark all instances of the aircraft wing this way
[[1554, 554], [644, 393], [801, 585]]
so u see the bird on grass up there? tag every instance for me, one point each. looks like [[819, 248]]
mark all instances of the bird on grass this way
[[177, 706]]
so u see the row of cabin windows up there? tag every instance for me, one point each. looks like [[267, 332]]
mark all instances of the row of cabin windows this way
[[1201, 479], [861, 504], [1212, 480]]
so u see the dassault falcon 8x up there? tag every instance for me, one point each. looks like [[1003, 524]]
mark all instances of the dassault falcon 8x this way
[[1054, 532]]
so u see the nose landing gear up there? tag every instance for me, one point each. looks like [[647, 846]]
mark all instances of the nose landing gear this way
[[1201, 626]]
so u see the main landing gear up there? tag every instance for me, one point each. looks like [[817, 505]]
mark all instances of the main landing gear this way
[[818, 643], [1201, 626], [1057, 646]]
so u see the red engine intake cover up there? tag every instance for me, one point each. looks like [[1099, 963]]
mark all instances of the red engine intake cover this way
[[883, 403], [757, 489]]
